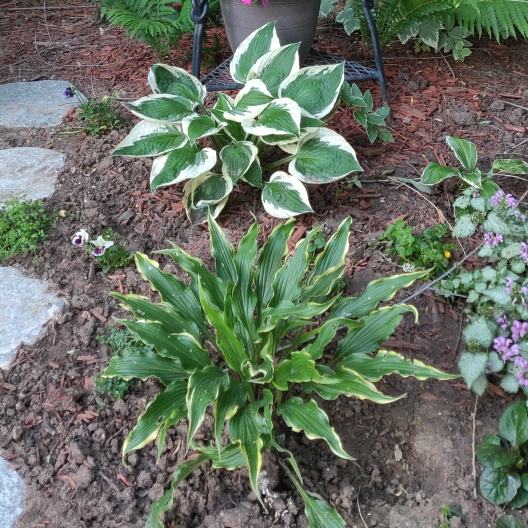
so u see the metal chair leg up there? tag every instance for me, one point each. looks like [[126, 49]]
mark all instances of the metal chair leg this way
[[199, 11], [376, 48]]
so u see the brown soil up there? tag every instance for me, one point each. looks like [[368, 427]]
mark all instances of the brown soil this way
[[64, 438]]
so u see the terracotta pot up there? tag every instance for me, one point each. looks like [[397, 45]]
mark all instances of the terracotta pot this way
[[296, 21]]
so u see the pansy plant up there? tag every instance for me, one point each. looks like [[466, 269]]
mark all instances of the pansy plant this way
[[281, 107]]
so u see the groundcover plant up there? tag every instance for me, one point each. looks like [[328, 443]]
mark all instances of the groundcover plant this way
[[252, 344], [281, 105]]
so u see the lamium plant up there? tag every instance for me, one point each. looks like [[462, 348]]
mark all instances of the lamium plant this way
[[281, 105], [252, 344]]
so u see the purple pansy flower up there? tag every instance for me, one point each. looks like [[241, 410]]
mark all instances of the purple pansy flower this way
[[100, 246], [80, 238], [69, 92]]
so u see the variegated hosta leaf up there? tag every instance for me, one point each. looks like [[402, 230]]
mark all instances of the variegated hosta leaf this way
[[173, 322], [229, 457], [282, 117], [377, 291], [465, 151], [173, 292], [276, 66], [206, 195], [247, 427], [183, 164], [233, 129], [320, 514], [387, 362], [313, 421], [181, 347], [196, 127], [223, 253], [377, 328], [346, 382], [165, 503], [325, 283], [435, 173], [165, 79], [269, 262], [224, 102], [253, 175], [299, 368], [226, 340], [315, 88], [285, 196], [237, 158], [169, 404], [144, 365], [309, 123], [226, 405], [150, 139], [204, 386], [251, 50], [161, 107], [323, 157], [249, 102], [334, 252]]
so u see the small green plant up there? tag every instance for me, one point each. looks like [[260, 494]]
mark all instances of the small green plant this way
[[497, 293], [99, 118], [249, 342], [159, 23], [107, 253], [425, 251], [282, 107], [121, 343], [22, 227], [505, 459], [448, 512], [511, 521]]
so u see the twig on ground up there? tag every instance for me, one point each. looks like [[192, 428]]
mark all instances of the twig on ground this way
[[459, 334], [359, 509], [448, 65]]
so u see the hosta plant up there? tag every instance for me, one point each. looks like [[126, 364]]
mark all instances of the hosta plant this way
[[212, 150], [252, 344]]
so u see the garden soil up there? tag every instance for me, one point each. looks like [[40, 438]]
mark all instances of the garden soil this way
[[64, 437]]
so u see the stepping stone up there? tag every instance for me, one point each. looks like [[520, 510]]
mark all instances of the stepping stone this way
[[34, 104], [26, 306], [28, 172], [11, 497]]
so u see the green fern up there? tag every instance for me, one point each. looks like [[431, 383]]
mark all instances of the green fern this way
[[499, 18], [156, 22]]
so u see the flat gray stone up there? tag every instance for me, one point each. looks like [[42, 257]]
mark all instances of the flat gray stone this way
[[11, 496], [26, 305], [29, 172], [34, 104]]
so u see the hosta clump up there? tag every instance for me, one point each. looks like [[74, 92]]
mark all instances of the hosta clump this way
[[505, 459], [246, 344], [214, 149], [496, 294]]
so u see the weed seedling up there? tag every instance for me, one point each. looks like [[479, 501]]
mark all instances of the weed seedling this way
[[22, 227]]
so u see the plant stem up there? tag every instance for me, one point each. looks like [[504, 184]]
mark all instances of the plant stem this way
[[279, 163]]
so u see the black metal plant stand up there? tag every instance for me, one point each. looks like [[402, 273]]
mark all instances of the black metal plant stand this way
[[220, 79]]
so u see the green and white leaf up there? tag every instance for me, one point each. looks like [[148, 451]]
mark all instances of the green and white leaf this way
[[206, 195], [308, 417], [464, 227], [282, 117], [499, 296], [177, 166], [285, 196], [237, 158], [165, 79], [435, 173], [510, 166], [226, 405], [275, 66], [196, 127], [387, 362], [299, 368], [144, 365], [315, 88], [149, 138], [204, 386], [465, 152], [323, 157], [251, 50], [169, 404], [249, 102], [161, 107]]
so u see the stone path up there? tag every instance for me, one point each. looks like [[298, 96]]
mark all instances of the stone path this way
[[26, 304]]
